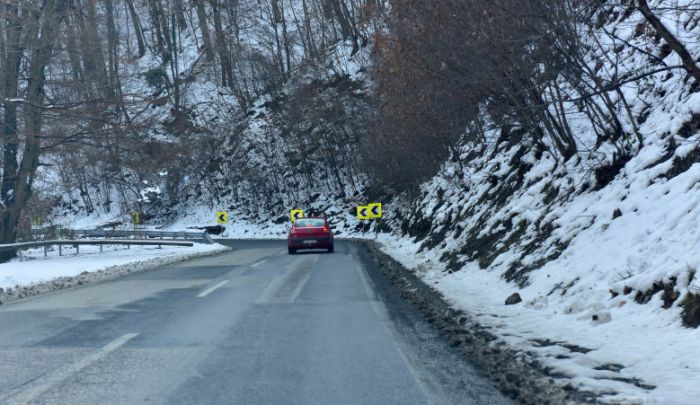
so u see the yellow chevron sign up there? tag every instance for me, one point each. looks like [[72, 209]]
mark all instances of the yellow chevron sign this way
[[363, 212], [296, 214], [375, 210], [222, 217]]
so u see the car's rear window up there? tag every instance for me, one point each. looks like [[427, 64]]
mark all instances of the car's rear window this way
[[309, 222]]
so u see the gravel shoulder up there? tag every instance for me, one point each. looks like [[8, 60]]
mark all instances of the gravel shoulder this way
[[515, 373]]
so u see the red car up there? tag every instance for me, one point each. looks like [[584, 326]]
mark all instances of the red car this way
[[310, 233]]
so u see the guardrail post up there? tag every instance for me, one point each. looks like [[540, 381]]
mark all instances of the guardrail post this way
[[128, 246], [77, 249], [100, 248], [207, 238], [46, 251], [60, 249]]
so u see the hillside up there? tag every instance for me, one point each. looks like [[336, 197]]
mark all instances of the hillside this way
[[601, 247], [563, 168]]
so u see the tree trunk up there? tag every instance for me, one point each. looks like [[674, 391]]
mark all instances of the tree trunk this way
[[221, 44], [43, 47], [688, 61], [342, 19], [14, 46], [137, 28], [204, 28]]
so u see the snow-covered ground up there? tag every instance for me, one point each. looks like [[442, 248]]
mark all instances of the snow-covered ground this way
[[630, 350], [32, 268]]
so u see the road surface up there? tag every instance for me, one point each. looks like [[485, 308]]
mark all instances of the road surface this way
[[253, 326]]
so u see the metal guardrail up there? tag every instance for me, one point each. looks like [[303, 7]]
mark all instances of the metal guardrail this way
[[146, 234], [103, 233], [13, 247]]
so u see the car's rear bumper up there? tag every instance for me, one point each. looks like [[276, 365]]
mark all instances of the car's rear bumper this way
[[310, 243]]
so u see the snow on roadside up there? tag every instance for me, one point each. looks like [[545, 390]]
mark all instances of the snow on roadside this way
[[643, 354], [33, 274], [238, 227]]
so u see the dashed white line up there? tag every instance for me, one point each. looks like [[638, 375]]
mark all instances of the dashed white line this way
[[212, 289], [286, 288], [29, 394], [366, 284], [259, 263]]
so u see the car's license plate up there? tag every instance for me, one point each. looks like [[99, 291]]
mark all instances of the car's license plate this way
[[309, 242]]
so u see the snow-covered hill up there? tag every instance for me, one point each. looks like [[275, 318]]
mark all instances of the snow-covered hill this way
[[600, 247], [602, 250]]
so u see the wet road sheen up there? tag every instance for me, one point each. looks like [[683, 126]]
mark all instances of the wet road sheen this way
[[253, 326]]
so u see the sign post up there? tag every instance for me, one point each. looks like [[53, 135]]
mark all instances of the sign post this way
[[375, 212], [369, 212], [363, 216]]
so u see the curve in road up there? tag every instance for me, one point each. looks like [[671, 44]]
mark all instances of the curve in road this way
[[253, 326]]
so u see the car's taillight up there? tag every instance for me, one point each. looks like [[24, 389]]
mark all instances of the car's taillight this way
[[326, 229]]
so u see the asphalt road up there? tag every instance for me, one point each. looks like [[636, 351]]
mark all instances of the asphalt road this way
[[254, 326]]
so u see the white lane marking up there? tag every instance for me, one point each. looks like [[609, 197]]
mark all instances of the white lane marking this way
[[212, 289], [46, 383], [285, 289], [259, 263], [384, 318], [366, 283], [300, 285]]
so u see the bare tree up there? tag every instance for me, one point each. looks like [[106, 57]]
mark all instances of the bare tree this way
[[19, 170], [688, 61]]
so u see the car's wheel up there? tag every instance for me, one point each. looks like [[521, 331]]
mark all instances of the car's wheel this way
[[291, 251], [330, 249]]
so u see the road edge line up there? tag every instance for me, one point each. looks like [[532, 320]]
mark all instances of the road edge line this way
[[514, 372]]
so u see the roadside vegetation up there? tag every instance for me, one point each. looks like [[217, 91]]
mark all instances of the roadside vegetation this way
[[115, 106]]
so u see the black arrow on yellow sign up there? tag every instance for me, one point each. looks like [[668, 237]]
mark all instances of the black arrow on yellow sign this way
[[363, 212], [222, 217], [375, 210], [296, 214]]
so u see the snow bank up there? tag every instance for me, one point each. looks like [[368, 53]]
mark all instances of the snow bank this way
[[632, 352], [32, 273]]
